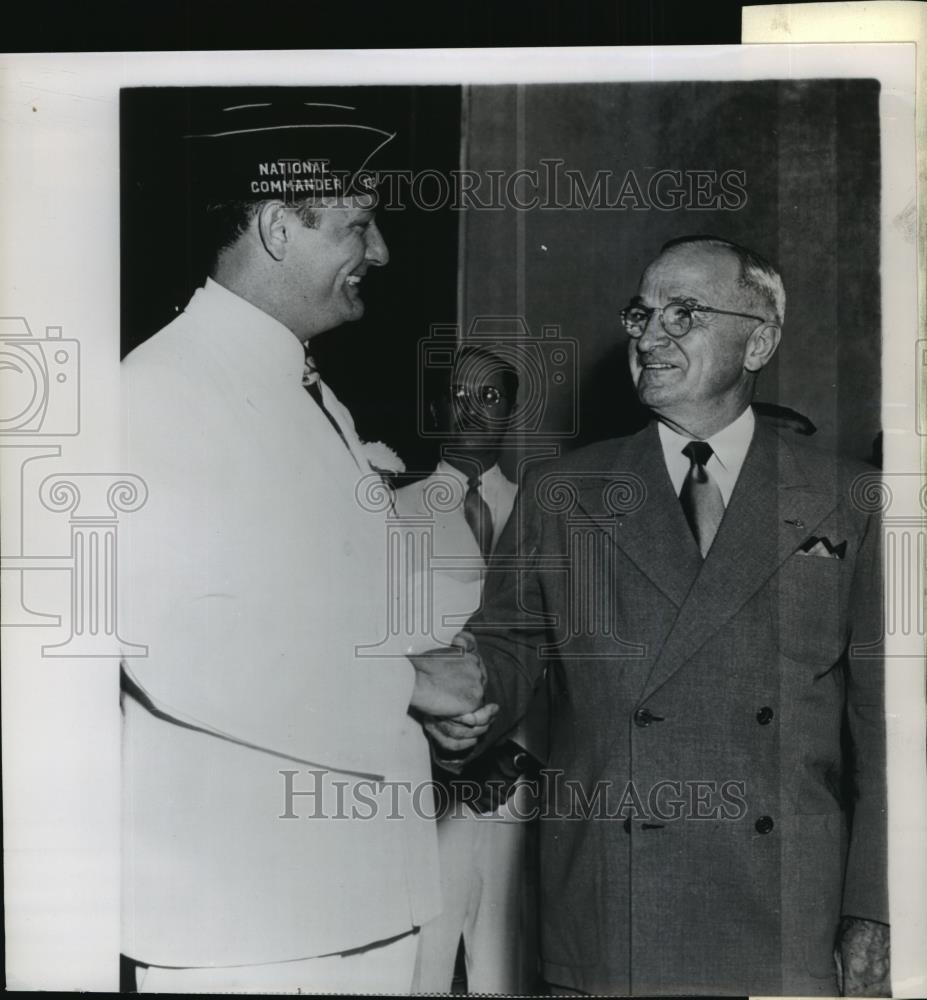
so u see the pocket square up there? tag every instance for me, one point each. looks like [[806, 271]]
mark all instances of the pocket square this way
[[815, 546]]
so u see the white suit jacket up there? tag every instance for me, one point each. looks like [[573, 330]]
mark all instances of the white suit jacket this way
[[254, 573]]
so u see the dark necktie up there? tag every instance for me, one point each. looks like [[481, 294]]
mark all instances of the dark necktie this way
[[700, 496], [477, 515], [312, 386]]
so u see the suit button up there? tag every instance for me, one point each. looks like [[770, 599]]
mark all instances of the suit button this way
[[519, 761], [764, 824], [643, 717], [765, 715]]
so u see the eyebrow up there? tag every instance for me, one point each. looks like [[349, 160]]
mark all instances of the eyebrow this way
[[686, 300]]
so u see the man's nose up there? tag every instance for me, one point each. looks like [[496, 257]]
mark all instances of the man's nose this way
[[469, 416], [654, 334], [377, 252]]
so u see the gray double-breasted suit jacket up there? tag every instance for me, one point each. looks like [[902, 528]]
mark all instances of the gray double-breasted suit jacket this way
[[716, 792]]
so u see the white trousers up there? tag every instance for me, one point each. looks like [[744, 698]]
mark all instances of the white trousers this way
[[380, 969], [482, 863]]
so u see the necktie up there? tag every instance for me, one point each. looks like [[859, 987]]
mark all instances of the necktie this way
[[477, 515], [700, 496], [312, 386]]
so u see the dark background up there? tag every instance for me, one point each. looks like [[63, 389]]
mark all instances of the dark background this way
[[46, 26]]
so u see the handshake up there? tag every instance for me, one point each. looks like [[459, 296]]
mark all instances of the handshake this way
[[448, 696]]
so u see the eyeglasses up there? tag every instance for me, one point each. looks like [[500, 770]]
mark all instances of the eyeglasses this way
[[675, 317], [484, 396]]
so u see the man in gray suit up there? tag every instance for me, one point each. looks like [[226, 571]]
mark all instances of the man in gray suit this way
[[715, 816]]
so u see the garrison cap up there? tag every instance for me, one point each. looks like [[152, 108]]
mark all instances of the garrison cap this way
[[284, 148]]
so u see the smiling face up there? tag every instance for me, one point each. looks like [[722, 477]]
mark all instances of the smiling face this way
[[325, 264], [703, 381]]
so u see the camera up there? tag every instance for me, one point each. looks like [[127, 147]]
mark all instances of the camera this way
[[39, 380], [547, 405]]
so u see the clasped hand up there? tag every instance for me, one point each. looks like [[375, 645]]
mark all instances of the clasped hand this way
[[449, 688]]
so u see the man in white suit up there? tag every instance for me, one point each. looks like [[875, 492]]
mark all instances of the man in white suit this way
[[483, 846], [267, 845]]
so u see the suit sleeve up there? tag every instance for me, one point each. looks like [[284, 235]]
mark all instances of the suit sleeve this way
[[865, 885], [511, 625]]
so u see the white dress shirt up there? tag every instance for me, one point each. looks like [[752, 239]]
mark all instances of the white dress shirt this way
[[495, 488], [729, 445]]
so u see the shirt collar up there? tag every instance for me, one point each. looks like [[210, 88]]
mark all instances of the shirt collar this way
[[260, 344], [730, 444], [446, 469]]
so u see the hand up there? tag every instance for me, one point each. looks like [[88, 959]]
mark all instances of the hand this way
[[448, 682], [462, 733], [863, 958]]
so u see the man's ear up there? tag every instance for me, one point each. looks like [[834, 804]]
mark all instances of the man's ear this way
[[272, 228], [761, 346]]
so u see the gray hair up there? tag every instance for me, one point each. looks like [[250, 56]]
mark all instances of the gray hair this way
[[756, 273]]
